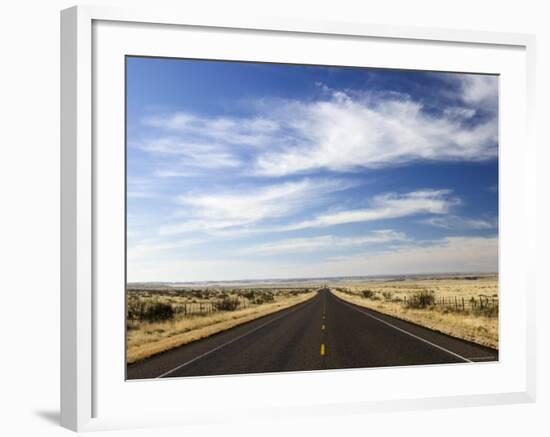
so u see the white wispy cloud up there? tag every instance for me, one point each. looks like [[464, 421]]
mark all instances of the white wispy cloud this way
[[454, 254], [450, 254], [168, 172], [141, 188], [310, 244], [386, 206], [254, 131], [348, 132], [342, 132], [472, 91], [271, 163], [144, 249], [191, 155], [479, 88], [236, 213], [460, 113], [215, 211], [140, 194], [457, 222]]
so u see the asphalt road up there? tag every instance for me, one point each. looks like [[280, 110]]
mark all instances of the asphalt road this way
[[322, 333]]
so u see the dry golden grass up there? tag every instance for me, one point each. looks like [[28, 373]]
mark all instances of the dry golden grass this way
[[149, 339], [467, 325], [442, 286]]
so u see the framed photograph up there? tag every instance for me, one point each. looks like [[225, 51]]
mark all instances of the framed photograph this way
[[339, 212]]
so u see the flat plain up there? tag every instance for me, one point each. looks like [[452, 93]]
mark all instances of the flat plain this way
[[464, 306], [162, 317], [166, 317]]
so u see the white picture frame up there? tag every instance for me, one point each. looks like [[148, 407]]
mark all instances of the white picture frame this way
[[87, 402]]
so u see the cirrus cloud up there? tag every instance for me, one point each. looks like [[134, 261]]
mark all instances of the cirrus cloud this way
[[386, 206], [324, 242], [234, 213], [224, 210], [339, 132]]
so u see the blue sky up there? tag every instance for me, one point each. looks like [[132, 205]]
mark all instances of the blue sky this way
[[247, 170]]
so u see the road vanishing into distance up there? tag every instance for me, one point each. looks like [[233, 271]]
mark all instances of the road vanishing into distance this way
[[324, 332]]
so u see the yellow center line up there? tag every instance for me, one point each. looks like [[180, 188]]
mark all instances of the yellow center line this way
[[322, 349], [322, 327]]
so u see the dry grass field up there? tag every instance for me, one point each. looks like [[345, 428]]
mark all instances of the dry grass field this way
[[462, 306], [159, 319]]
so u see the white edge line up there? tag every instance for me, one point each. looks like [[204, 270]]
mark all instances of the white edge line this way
[[406, 332], [198, 357]]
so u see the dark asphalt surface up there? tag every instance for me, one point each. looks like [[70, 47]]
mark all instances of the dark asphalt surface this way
[[322, 333]]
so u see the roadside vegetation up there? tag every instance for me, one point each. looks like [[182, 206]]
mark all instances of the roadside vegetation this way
[[162, 319], [465, 306]]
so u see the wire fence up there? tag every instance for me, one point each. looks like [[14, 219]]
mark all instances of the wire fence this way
[[488, 305], [140, 311], [428, 299], [204, 308]]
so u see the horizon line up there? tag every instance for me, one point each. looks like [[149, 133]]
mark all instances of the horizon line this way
[[317, 277]]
